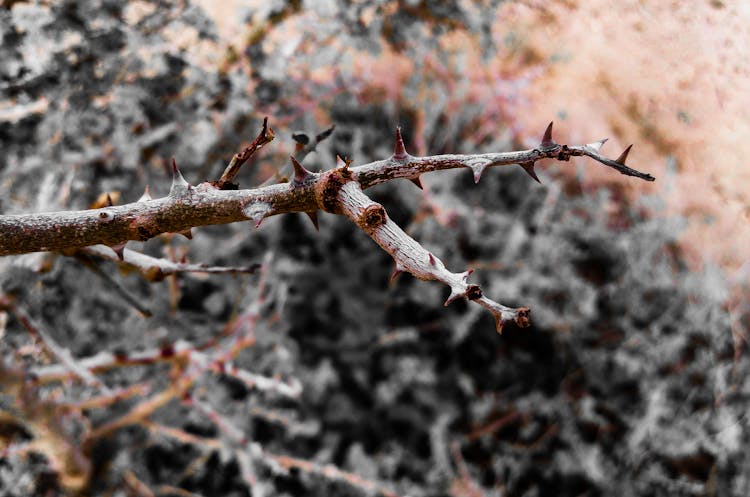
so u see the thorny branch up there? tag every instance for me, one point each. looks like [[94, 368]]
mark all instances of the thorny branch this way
[[339, 191]]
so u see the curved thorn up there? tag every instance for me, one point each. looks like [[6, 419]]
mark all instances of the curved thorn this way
[[624, 155], [529, 168], [314, 218], [300, 173], [399, 149], [547, 138], [478, 171], [417, 182], [597, 146]]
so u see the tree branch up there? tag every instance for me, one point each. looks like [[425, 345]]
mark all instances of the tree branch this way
[[338, 191]]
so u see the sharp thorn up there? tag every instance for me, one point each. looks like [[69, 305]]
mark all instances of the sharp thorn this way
[[119, 250], [399, 149], [465, 275], [477, 172], [397, 270], [417, 182], [452, 297], [529, 168], [432, 260], [314, 218], [547, 138], [300, 173], [178, 181], [146, 195], [624, 155], [597, 146], [340, 163], [186, 233], [109, 200]]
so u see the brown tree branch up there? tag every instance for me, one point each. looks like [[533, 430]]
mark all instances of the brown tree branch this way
[[339, 191]]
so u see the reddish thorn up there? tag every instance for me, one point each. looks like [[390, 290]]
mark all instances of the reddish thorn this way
[[396, 272], [399, 149], [547, 138], [314, 218], [109, 201], [477, 171], [624, 155], [175, 169], [529, 168], [119, 249], [300, 173], [417, 182], [432, 260]]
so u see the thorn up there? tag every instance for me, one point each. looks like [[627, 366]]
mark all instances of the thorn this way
[[119, 250], [314, 218], [529, 168], [452, 297], [300, 173], [624, 155], [178, 181], [547, 141], [397, 271], [325, 134], [499, 323], [465, 275], [432, 260], [478, 170], [597, 146], [417, 182], [340, 162], [186, 233], [109, 201], [399, 149], [258, 220], [146, 195]]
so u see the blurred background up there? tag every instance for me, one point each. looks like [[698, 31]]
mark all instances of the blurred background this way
[[632, 379]]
